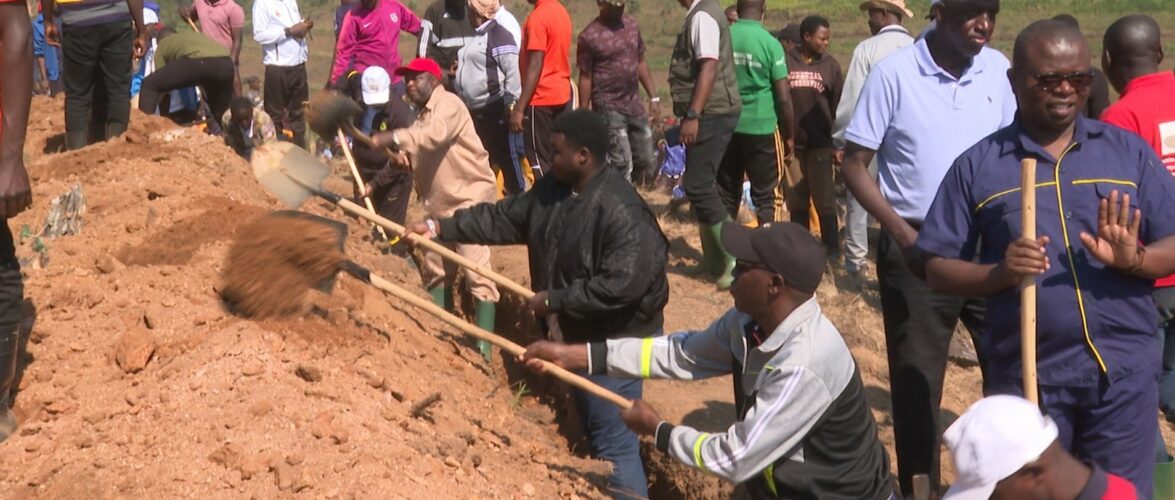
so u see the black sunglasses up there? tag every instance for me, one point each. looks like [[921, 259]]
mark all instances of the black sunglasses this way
[[1079, 80]]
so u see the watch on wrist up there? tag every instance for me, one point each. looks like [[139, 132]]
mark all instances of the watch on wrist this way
[[692, 115]]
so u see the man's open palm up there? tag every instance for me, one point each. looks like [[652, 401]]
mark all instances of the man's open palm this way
[[1116, 243]]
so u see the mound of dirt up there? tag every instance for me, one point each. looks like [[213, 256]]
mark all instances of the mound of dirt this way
[[139, 383]]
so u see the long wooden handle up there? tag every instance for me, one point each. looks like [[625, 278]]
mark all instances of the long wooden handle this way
[[368, 141], [510, 347], [921, 484], [353, 209], [1028, 286], [358, 178]]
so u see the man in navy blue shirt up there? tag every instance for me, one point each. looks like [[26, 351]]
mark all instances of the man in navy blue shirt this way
[[1103, 214]]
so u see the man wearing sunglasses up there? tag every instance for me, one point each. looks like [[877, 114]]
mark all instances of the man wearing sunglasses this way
[[804, 428], [1105, 234], [920, 107]]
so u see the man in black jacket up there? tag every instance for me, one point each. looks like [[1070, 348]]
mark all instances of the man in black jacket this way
[[597, 259]]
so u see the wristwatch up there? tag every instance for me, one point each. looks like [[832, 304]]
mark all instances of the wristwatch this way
[[691, 115]]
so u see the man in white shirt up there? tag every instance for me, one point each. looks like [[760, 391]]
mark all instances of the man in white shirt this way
[[281, 31], [885, 23]]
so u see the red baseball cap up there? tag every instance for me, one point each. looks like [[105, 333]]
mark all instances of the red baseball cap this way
[[420, 65]]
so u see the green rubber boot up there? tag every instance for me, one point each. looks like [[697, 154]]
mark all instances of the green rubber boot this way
[[486, 315], [442, 296], [725, 261], [1165, 479], [707, 264]]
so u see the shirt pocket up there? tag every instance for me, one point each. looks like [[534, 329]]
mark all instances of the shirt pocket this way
[[999, 217]]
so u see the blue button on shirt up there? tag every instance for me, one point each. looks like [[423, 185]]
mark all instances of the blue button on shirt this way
[[1089, 317], [919, 118]]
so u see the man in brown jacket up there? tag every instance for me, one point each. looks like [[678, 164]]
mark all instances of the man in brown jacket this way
[[452, 171]]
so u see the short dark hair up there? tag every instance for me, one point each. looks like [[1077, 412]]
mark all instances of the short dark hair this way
[[812, 23], [585, 129], [1067, 19], [240, 104]]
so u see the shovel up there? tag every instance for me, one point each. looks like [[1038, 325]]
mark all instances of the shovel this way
[[293, 176], [327, 114], [339, 231]]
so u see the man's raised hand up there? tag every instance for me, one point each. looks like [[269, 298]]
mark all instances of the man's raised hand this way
[[1116, 243]]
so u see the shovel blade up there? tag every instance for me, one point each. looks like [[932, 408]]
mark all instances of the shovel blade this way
[[288, 172], [327, 111], [340, 232]]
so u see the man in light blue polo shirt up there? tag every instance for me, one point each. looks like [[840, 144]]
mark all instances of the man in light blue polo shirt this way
[[920, 108]]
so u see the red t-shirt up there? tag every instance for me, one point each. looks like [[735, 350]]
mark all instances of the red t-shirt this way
[[548, 29], [1148, 109]]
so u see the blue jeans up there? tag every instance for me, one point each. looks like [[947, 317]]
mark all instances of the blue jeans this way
[[610, 440]]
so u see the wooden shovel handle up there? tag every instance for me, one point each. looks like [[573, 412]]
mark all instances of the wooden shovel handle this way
[[1028, 286], [358, 178], [480, 334], [350, 207], [369, 142]]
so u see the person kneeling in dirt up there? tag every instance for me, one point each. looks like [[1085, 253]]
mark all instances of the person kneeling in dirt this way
[[597, 258], [804, 429], [452, 171], [187, 59], [245, 128]]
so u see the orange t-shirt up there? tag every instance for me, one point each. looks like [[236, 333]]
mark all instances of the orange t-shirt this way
[[548, 29]]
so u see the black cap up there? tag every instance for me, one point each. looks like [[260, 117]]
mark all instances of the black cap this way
[[786, 248], [791, 33]]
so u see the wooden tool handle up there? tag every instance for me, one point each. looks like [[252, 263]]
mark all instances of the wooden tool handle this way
[[369, 142], [350, 207], [510, 347], [358, 178], [921, 485], [1028, 286]]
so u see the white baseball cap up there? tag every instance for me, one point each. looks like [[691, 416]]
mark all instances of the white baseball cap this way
[[996, 437], [377, 86], [150, 17]]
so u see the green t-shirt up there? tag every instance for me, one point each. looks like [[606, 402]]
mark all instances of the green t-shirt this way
[[187, 45], [758, 63]]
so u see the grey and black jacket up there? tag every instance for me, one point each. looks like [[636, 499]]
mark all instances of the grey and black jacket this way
[[600, 254], [804, 431]]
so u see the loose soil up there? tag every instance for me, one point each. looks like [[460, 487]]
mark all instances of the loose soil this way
[[141, 382]]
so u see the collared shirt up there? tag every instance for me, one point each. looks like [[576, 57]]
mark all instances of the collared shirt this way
[[451, 167], [1105, 486], [1092, 319], [758, 63], [487, 68], [218, 19], [611, 55], [270, 20], [371, 37], [806, 423], [548, 29], [867, 54], [919, 118], [1147, 108]]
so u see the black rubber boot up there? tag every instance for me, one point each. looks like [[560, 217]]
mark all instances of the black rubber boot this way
[[76, 140]]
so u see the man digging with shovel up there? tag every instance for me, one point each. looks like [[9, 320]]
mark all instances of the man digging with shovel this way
[[451, 169], [597, 261]]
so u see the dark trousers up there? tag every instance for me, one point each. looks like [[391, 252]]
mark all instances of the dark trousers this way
[[490, 124], [536, 134], [759, 159], [214, 75], [11, 314], [286, 91], [811, 180], [609, 439], [1112, 424], [702, 159], [919, 324], [390, 198], [97, 77]]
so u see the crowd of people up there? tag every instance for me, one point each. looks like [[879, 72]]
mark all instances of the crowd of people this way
[[487, 126]]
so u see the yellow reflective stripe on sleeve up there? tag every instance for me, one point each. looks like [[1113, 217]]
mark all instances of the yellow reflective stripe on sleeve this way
[[769, 476], [1010, 191], [1069, 253], [698, 451], [646, 357], [1105, 181]]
